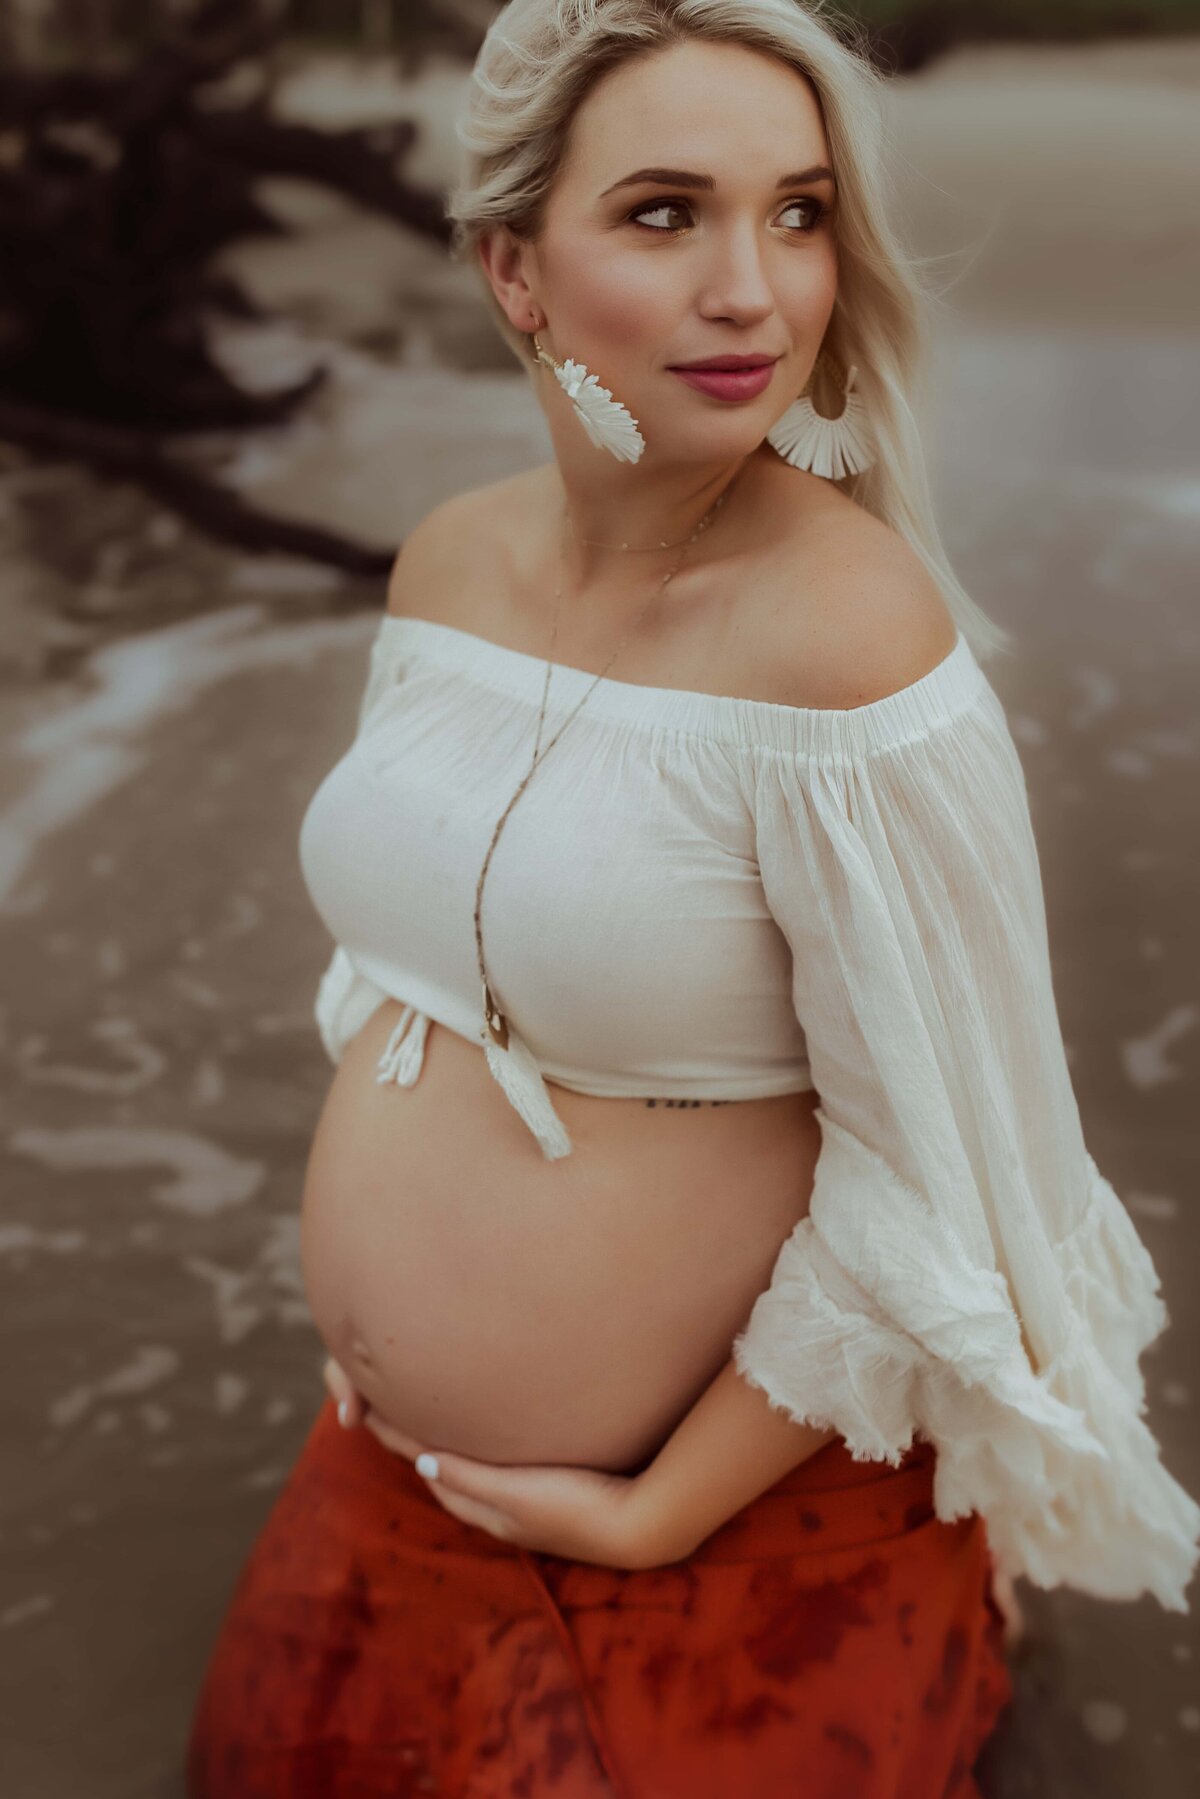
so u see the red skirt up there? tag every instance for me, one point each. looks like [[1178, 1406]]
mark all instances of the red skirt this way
[[834, 1639]]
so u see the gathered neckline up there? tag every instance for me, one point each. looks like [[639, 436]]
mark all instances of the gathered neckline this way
[[934, 697]]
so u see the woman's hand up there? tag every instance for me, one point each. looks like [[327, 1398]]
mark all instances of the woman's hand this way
[[584, 1514]]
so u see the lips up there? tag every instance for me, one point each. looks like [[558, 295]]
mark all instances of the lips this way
[[744, 382], [727, 362]]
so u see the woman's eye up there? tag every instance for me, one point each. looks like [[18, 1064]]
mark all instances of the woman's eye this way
[[659, 206], [816, 212]]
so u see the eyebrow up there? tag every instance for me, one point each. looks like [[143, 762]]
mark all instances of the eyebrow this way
[[689, 178]]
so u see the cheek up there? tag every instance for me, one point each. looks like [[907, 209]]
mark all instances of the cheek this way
[[811, 287], [629, 304], [624, 302]]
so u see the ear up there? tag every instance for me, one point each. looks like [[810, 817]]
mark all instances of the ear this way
[[508, 261]]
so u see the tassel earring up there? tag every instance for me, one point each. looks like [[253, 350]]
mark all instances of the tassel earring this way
[[606, 421], [829, 447]]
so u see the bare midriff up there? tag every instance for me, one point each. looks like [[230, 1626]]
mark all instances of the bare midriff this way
[[487, 1301]]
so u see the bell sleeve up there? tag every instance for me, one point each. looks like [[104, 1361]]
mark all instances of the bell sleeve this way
[[345, 997], [965, 1271]]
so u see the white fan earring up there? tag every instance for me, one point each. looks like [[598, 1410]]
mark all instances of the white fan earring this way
[[829, 447], [606, 421]]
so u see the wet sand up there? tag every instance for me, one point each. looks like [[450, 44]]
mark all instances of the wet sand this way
[[162, 956]]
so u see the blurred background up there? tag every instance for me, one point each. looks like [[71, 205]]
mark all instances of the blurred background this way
[[236, 365]]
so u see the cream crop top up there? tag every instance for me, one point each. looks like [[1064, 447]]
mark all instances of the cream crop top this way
[[726, 898], [625, 928]]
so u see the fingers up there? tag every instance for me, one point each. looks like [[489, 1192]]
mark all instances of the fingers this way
[[473, 1511], [449, 1489], [346, 1396], [470, 1491], [353, 1410], [390, 1437]]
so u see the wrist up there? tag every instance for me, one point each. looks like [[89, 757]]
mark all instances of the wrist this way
[[652, 1535], [731, 1447]]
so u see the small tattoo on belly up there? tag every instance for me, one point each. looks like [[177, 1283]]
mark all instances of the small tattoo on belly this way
[[689, 1102]]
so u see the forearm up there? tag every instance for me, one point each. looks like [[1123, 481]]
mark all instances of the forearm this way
[[729, 1448]]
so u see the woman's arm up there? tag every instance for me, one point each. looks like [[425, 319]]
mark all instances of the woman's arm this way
[[728, 1449]]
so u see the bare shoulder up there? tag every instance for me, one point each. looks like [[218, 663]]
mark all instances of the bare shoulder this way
[[865, 616], [457, 538]]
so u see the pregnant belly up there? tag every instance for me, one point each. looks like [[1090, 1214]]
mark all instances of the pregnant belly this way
[[487, 1301]]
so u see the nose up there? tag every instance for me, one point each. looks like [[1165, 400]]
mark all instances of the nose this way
[[738, 285]]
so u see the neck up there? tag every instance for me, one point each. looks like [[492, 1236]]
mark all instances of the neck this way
[[634, 504]]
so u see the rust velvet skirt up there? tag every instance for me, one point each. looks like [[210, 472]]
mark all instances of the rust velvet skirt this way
[[834, 1640]]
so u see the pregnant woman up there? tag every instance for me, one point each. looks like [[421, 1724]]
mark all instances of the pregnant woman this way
[[723, 1303]]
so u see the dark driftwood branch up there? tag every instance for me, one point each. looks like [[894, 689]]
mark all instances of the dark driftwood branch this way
[[360, 163], [122, 188], [136, 456]]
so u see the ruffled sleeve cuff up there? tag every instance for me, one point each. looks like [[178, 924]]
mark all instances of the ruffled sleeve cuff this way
[[877, 1324]]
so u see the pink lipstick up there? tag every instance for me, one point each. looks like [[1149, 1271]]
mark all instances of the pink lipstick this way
[[725, 380]]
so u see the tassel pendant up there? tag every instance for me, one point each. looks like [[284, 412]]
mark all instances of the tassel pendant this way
[[497, 1024], [517, 1072]]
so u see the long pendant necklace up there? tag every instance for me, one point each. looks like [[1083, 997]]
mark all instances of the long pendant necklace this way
[[495, 1021]]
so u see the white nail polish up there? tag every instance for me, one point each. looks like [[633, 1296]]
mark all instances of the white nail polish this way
[[427, 1465], [344, 1413]]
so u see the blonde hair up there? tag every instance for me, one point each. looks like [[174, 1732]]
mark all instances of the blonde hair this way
[[536, 64]]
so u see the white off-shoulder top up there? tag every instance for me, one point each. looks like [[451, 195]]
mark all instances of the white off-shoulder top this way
[[707, 897]]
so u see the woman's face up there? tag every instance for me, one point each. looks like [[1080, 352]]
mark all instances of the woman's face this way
[[730, 249]]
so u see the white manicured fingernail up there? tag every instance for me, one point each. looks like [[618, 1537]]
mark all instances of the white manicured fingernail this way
[[344, 1413], [427, 1465]]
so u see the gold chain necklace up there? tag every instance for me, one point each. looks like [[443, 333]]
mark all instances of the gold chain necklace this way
[[496, 1022]]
